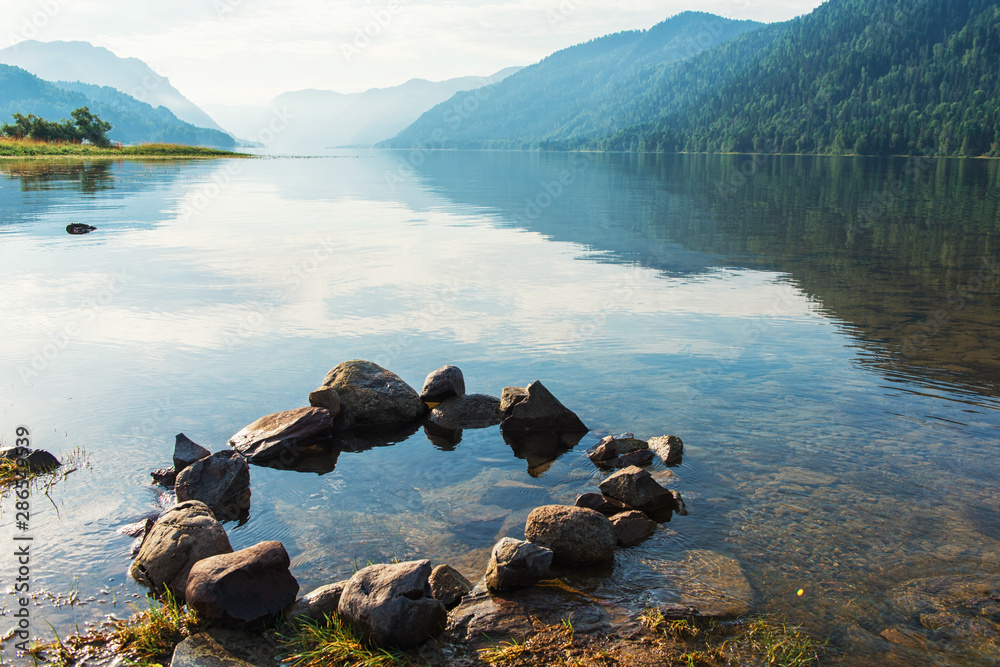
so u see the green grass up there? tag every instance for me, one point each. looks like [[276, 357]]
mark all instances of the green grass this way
[[11, 472], [332, 643], [31, 148]]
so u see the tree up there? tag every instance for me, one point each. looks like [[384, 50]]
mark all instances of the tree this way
[[85, 126], [90, 127]]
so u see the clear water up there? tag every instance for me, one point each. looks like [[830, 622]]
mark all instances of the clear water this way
[[837, 397]]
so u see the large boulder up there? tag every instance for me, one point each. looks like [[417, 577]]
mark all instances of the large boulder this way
[[636, 487], [283, 435], [316, 604], [668, 447], [221, 481], [449, 586], [35, 460], [186, 452], [517, 564], [184, 535], [574, 534], [248, 587], [469, 411], [443, 383], [632, 528], [539, 410], [392, 604], [370, 394]]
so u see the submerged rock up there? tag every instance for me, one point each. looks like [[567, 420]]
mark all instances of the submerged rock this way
[[517, 564], [540, 410], [469, 411], [221, 481], [283, 435], [370, 394], [443, 383], [574, 534], [245, 588], [184, 535], [392, 604]]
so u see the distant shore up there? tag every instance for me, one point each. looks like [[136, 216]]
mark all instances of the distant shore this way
[[26, 148]]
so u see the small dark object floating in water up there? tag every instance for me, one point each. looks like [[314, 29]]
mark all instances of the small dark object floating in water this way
[[79, 228]]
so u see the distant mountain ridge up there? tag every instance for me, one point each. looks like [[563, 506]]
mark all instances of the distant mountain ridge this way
[[95, 65], [584, 91], [132, 121], [325, 118]]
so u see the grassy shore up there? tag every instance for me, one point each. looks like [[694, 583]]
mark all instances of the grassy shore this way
[[31, 148]]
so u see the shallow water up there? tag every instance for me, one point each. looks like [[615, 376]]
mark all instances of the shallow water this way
[[820, 332]]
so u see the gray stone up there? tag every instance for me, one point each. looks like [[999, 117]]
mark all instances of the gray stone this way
[[184, 535], [517, 564], [540, 410], [221, 481], [283, 435], [511, 396], [248, 587], [469, 411], [682, 509], [186, 452], [667, 447], [36, 460], [448, 585], [392, 604], [326, 398], [316, 604], [370, 394], [606, 506], [574, 534], [224, 647], [443, 383], [165, 477], [633, 527], [636, 487]]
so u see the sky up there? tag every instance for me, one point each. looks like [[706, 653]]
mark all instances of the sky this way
[[249, 51]]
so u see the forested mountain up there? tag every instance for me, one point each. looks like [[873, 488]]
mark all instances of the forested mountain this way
[[132, 121], [854, 76], [86, 63], [585, 91]]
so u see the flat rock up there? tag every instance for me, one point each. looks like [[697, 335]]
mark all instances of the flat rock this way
[[224, 647], [392, 604], [468, 411], [710, 584], [667, 447], [517, 564], [248, 587], [184, 535], [540, 410], [443, 383], [448, 585], [283, 435], [636, 487], [370, 394], [221, 481], [316, 604], [36, 460], [574, 534], [606, 506], [187, 451], [632, 528]]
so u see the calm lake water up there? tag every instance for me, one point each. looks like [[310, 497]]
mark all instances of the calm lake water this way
[[821, 332]]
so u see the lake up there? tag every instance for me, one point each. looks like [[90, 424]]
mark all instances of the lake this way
[[821, 333]]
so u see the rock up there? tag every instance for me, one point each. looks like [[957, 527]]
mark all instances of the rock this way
[[540, 410], [326, 398], [633, 527], [469, 411], [221, 481], [36, 460], [283, 435], [641, 457], [668, 447], [315, 605], [681, 507], [515, 495], [510, 397], [77, 228], [443, 383], [165, 477], [224, 647], [370, 394], [574, 534], [713, 584], [245, 588], [626, 443], [605, 451], [621, 452], [186, 452], [636, 487], [449, 586], [392, 604], [184, 535], [517, 564], [606, 506]]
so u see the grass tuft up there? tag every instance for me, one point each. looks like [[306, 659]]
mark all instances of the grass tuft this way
[[149, 636], [332, 643]]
